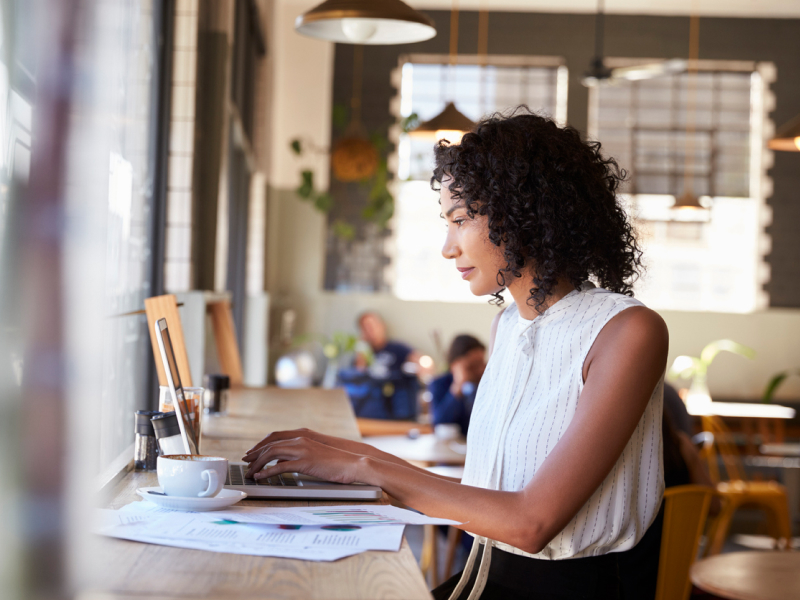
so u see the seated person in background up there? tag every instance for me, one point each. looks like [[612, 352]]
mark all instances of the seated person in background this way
[[454, 392], [386, 386], [683, 464]]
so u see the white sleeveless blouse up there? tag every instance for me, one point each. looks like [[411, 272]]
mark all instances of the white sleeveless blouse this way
[[525, 402]]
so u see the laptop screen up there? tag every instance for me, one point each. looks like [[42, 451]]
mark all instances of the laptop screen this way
[[188, 434]]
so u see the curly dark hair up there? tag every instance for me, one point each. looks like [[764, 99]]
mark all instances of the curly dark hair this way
[[550, 198]]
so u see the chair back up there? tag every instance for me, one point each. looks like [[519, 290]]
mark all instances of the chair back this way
[[230, 360], [685, 510], [721, 445], [166, 307]]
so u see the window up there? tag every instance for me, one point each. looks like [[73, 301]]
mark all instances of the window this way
[[426, 84], [709, 261], [123, 59]]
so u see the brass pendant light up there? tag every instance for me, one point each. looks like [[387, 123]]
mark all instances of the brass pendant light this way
[[688, 201], [366, 22], [787, 137], [355, 157], [450, 124]]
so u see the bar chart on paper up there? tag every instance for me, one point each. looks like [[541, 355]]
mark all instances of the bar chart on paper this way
[[357, 516]]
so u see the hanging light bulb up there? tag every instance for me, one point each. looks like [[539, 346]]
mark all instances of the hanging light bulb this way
[[366, 22], [787, 138], [450, 124]]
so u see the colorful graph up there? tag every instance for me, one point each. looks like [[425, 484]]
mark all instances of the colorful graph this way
[[353, 516]]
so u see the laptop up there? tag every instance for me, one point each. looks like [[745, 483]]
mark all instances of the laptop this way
[[285, 485]]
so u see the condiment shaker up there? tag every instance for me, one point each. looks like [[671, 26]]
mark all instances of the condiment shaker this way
[[145, 448], [168, 433]]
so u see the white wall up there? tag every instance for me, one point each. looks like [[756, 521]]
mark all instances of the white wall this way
[[302, 106]]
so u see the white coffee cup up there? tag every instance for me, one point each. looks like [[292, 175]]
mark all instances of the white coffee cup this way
[[191, 475], [447, 431]]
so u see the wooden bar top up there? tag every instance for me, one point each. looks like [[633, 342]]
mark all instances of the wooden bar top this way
[[127, 569]]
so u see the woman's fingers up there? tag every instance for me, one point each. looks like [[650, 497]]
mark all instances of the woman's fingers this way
[[281, 450], [274, 437], [283, 466]]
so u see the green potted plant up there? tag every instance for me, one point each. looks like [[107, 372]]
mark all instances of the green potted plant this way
[[696, 369]]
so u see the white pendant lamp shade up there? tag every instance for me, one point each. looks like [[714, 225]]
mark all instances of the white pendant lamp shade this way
[[366, 22]]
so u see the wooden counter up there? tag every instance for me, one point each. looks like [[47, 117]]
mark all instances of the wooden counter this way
[[130, 569]]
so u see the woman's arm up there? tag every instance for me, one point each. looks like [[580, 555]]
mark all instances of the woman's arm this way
[[621, 371]]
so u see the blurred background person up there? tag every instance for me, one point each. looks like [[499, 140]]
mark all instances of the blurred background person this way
[[454, 392], [383, 383]]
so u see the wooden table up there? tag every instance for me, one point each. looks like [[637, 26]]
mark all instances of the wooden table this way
[[130, 569], [426, 449], [740, 409], [749, 575]]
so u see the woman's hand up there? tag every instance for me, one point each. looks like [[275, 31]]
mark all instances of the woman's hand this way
[[308, 456], [328, 440]]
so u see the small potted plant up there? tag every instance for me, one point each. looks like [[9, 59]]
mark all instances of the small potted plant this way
[[695, 368]]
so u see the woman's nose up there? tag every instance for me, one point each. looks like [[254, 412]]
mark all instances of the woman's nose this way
[[450, 248]]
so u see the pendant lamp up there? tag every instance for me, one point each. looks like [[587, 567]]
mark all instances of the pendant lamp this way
[[366, 22], [688, 201], [451, 123], [787, 138]]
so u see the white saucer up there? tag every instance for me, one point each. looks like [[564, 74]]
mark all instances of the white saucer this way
[[221, 500]]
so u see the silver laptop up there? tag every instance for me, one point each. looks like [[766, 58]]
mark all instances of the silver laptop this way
[[285, 485]]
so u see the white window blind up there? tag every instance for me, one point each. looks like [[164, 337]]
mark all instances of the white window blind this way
[[657, 129]]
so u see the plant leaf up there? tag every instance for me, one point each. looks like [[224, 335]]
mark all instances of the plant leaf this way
[[711, 350], [775, 383], [296, 146], [344, 230], [339, 116], [306, 188], [410, 122], [323, 202]]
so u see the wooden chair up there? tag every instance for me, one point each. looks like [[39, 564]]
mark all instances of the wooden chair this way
[[685, 510], [166, 307], [736, 491], [230, 360]]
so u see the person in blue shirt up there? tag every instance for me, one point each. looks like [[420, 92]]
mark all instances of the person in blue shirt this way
[[454, 392], [386, 386]]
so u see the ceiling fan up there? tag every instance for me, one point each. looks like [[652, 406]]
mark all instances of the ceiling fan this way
[[600, 74]]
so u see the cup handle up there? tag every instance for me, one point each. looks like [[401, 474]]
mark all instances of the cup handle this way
[[213, 481]]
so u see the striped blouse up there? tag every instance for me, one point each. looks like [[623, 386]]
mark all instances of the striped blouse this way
[[525, 402]]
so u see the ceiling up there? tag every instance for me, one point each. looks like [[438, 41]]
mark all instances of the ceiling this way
[[708, 8]]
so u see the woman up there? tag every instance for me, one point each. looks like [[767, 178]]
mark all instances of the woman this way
[[453, 393], [564, 444]]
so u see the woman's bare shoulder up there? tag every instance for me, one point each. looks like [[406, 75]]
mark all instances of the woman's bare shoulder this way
[[634, 332]]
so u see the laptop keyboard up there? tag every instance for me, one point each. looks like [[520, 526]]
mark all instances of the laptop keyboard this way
[[236, 477]]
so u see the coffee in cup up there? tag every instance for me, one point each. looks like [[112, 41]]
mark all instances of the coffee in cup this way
[[191, 475]]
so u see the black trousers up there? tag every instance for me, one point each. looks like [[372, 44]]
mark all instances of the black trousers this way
[[629, 575]]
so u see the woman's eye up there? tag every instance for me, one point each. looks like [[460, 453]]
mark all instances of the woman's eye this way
[[459, 222]]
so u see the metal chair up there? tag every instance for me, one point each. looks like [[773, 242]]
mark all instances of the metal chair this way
[[736, 491]]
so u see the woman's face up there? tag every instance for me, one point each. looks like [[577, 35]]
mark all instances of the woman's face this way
[[477, 259]]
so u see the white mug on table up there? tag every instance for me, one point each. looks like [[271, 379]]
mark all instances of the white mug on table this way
[[191, 475]]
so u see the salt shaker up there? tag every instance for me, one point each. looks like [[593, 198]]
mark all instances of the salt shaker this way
[[145, 448], [168, 433], [215, 398]]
